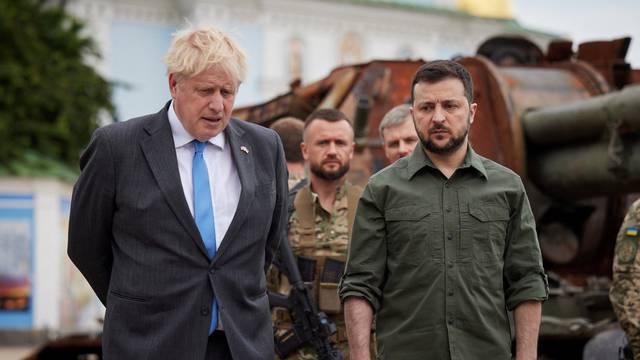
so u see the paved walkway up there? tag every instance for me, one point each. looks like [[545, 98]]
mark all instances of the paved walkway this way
[[14, 352]]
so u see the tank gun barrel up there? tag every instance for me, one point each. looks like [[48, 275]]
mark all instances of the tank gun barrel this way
[[585, 120], [587, 148], [587, 171]]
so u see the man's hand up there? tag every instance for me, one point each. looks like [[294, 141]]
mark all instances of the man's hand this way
[[527, 317], [358, 316]]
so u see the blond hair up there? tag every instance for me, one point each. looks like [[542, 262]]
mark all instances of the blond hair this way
[[195, 50]]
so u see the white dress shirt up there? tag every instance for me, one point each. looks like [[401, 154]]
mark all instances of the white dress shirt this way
[[223, 175]]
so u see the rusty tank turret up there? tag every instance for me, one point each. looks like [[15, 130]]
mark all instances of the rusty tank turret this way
[[567, 122]]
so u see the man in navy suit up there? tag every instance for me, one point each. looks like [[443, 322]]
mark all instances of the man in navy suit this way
[[177, 215]]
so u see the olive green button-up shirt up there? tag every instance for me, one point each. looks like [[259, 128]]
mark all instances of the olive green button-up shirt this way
[[442, 260]]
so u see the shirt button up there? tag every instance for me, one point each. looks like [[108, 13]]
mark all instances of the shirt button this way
[[204, 311], [448, 209], [447, 185], [450, 293], [449, 236], [450, 264]]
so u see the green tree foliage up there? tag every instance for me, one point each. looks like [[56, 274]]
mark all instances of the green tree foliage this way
[[50, 99]]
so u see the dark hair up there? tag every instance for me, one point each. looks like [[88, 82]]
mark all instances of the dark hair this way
[[331, 115], [437, 70], [290, 131]]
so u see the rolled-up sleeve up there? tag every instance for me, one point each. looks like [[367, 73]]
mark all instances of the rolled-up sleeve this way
[[365, 270], [524, 274]]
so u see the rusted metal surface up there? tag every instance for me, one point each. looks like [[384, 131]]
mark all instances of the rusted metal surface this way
[[511, 50], [559, 50], [496, 131], [339, 90], [300, 101], [608, 57], [384, 84]]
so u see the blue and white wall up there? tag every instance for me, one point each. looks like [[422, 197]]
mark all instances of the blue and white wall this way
[[39, 287]]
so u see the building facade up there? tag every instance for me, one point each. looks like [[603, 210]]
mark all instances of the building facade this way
[[284, 39]]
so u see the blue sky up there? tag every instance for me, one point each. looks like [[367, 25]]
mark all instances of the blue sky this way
[[585, 20]]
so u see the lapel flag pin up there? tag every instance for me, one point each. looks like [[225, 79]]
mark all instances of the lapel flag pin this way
[[244, 148], [632, 231]]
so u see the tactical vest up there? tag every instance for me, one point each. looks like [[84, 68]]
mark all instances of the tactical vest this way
[[303, 205], [325, 291]]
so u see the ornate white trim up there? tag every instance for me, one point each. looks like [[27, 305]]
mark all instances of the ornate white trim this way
[[161, 12]]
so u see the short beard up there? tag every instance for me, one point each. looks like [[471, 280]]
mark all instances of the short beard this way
[[329, 175], [451, 146]]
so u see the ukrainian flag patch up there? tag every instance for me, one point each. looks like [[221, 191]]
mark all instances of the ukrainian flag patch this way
[[631, 231]]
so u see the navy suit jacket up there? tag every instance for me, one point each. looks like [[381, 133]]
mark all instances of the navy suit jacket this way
[[132, 236]]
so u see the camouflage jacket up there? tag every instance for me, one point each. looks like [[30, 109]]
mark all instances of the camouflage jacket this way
[[625, 288], [330, 236]]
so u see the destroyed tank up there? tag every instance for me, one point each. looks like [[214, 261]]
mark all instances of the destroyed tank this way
[[567, 122]]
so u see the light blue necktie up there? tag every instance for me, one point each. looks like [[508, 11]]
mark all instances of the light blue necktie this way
[[203, 212]]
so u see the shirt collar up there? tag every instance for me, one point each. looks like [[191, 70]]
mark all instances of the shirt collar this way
[[182, 138], [473, 160], [418, 159]]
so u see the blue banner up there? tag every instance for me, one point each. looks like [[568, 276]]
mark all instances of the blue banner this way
[[16, 260]]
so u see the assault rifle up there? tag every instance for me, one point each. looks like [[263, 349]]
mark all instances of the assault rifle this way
[[310, 326]]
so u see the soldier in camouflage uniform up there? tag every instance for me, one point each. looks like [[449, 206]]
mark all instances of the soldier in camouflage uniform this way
[[625, 289], [323, 213]]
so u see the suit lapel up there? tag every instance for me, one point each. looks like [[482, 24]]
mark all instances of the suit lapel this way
[[243, 159], [159, 150]]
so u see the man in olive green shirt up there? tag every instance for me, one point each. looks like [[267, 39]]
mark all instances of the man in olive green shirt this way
[[443, 243]]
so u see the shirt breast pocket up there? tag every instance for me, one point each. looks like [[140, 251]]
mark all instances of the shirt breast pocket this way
[[408, 233], [484, 231]]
